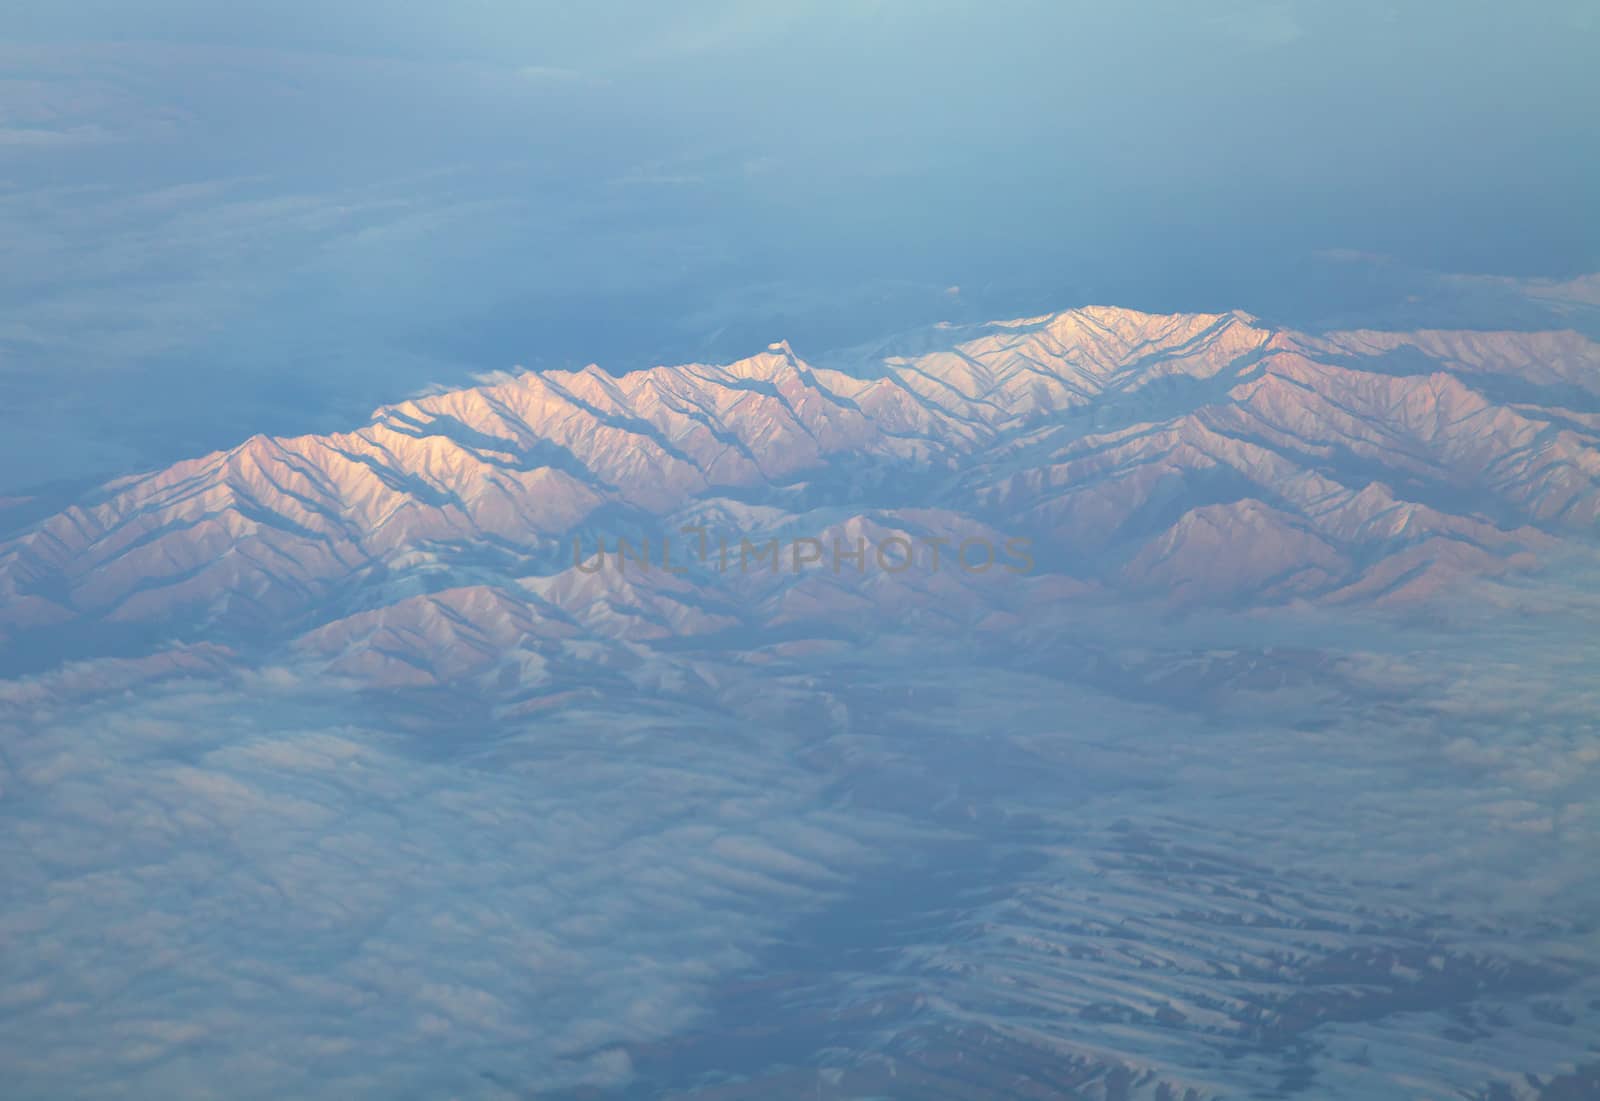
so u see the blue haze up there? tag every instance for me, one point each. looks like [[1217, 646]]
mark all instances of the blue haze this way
[[279, 215]]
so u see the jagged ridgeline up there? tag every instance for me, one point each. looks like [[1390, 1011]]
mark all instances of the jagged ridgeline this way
[[1187, 460]]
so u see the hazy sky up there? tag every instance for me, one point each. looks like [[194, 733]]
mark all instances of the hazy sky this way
[[280, 214]]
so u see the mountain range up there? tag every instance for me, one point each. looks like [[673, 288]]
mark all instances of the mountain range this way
[[1110, 705], [1173, 461]]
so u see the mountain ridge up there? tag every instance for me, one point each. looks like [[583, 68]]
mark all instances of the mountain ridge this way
[[1187, 459]]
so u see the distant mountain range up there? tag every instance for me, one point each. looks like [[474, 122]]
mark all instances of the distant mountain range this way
[[1178, 461]]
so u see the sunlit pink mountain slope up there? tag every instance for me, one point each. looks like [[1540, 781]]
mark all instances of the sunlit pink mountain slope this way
[[1188, 460]]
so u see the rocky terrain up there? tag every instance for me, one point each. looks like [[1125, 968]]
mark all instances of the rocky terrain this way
[[1184, 461]]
